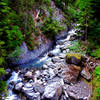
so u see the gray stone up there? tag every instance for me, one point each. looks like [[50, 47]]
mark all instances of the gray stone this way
[[73, 60], [28, 75], [53, 90], [51, 54], [51, 73], [37, 73], [18, 87], [57, 59], [79, 91], [27, 88], [38, 88], [44, 66], [62, 56], [49, 63], [28, 92], [69, 73], [86, 74]]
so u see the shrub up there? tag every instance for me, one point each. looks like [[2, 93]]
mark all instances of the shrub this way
[[94, 53], [3, 84], [47, 2], [51, 28], [96, 83]]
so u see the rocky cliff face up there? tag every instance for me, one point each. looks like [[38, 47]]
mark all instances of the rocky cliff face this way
[[41, 43]]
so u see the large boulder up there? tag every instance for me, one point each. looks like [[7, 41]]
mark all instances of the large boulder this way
[[73, 58], [79, 91], [38, 88], [53, 90], [29, 93], [18, 87], [69, 73]]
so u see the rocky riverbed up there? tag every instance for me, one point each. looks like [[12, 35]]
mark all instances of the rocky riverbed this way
[[58, 79]]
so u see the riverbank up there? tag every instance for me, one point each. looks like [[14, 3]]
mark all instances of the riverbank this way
[[55, 79]]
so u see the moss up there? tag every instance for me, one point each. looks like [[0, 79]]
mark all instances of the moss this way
[[76, 55]]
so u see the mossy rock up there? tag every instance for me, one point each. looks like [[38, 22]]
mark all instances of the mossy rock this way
[[76, 55], [73, 58]]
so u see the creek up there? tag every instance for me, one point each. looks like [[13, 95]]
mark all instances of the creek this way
[[36, 63]]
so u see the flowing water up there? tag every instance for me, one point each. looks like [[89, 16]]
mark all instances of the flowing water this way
[[36, 63]]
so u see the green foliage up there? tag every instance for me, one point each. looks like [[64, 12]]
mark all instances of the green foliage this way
[[75, 46], [96, 83], [2, 72], [3, 84], [47, 2], [16, 53], [95, 53], [3, 90], [51, 28]]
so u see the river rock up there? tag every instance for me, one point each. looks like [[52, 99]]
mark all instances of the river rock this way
[[86, 74], [73, 37], [79, 91], [51, 54], [37, 73], [57, 59], [44, 66], [18, 87], [27, 88], [28, 75], [49, 63], [38, 88], [53, 90], [70, 73], [73, 59], [63, 47], [51, 73], [28, 92], [62, 56]]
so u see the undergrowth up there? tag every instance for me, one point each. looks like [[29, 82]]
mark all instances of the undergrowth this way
[[77, 47], [96, 84]]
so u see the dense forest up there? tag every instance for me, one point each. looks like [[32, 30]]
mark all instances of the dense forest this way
[[17, 24]]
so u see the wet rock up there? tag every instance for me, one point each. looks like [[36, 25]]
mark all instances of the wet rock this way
[[52, 73], [27, 88], [62, 56], [63, 47], [49, 63], [86, 74], [28, 91], [45, 73], [28, 75], [37, 73], [70, 73], [38, 88], [51, 54], [44, 66], [33, 96], [18, 87], [63, 97], [79, 91], [73, 59], [57, 59], [53, 90], [73, 37]]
